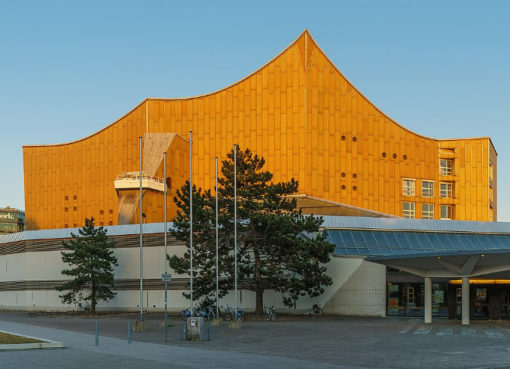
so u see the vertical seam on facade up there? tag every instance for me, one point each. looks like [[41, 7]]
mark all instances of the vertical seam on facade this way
[[147, 116], [306, 115]]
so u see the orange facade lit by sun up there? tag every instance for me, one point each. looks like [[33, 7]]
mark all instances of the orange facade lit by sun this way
[[299, 112]]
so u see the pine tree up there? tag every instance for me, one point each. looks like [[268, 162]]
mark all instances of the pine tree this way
[[204, 245], [278, 247], [91, 259]]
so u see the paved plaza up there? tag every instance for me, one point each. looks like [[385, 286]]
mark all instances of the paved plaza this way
[[329, 342]]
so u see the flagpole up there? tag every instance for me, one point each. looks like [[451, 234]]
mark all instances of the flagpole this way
[[217, 270], [191, 219], [235, 229], [141, 235], [164, 258]]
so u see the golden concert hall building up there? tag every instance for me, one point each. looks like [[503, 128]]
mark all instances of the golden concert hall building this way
[[302, 115]]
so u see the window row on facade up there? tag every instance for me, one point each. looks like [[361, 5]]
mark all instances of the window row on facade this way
[[427, 188], [427, 211]]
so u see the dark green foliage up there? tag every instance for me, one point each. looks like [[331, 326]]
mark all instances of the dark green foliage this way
[[278, 247], [204, 244], [91, 259]]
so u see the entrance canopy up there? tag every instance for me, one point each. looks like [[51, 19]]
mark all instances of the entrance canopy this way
[[428, 248], [452, 265]]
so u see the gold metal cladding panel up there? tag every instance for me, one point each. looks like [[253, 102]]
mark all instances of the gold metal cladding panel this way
[[299, 112]]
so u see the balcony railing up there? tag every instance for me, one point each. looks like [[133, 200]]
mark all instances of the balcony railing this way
[[131, 181]]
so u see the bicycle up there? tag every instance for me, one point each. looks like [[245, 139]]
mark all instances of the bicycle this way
[[229, 314], [270, 313], [316, 311], [185, 313]]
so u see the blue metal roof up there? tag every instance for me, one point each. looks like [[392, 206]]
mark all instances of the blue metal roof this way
[[397, 243]]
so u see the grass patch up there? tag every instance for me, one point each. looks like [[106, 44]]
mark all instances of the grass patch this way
[[11, 339]]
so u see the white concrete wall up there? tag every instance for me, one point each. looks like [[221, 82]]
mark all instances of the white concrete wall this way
[[362, 291], [359, 287]]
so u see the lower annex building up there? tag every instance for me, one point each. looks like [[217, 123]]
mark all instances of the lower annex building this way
[[310, 123], [380, 267]]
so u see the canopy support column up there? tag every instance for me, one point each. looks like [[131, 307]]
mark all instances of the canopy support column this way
[[465, 301], [428, 300]]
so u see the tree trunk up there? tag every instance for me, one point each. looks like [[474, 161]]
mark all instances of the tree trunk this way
[[259, 302], [257, 276], [259, 287]]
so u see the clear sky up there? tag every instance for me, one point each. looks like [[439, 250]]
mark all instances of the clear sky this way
[[68, 68]]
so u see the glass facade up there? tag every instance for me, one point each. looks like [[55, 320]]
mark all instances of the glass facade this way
[[388, 243], [408, 299], [487, 300]]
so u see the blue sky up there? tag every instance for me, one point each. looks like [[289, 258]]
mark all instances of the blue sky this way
[[67, 69]]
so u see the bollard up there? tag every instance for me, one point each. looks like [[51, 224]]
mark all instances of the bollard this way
[[97, 334], [129, 331]]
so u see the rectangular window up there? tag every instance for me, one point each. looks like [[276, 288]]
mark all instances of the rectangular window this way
[[408, 210], [409, 187], [446, 212], [427, 211], [427, 188], [446, 190], [446, 167]]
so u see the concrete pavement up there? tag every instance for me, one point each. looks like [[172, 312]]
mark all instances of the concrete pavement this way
[[323, 343]]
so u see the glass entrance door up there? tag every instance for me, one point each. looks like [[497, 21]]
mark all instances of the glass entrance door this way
[[481, 304], [505, 303]]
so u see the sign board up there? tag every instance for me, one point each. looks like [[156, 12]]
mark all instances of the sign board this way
[[5, 215], [166, 277]]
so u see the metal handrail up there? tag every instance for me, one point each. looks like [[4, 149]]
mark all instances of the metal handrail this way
[[129, 176]]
